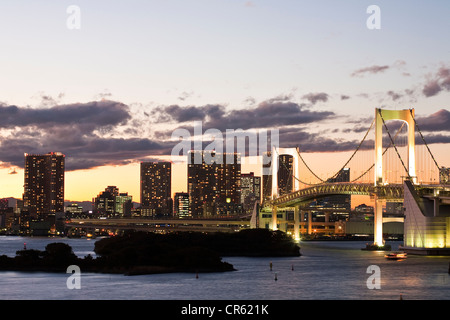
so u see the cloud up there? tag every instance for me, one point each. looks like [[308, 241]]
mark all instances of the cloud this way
[[267, 114], [84, 132], [185, 95], [371, 70], [316, 97], [176, 113], [91, 114], [439, 82], [105, 132], [394, 95], [315, 142], [438, 121]]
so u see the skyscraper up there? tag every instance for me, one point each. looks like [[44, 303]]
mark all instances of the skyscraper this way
[[104, 203], [250, 190], [285, 175], [44, 184], [111, 203], [267, 177], [213, 182], [181, 205], [156, 189]]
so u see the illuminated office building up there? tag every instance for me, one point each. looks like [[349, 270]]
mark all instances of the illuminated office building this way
[[285, 176], [250, 190], [214, 183], [44, 184], [181, 205], [156, 189], [111, 203]]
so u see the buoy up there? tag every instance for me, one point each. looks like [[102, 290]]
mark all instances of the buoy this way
[[276, 277], [24, 246], [196, 275], [401, 297], [292, 267], [270, 265]]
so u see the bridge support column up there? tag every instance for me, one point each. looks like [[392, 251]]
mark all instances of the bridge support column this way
[[296, 223], [309, 222], [274, 218], [378, 223]]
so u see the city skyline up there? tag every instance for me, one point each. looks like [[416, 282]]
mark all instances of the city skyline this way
[[110, 94]]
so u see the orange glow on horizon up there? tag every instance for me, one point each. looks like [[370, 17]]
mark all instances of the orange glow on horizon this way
[[83, 185]]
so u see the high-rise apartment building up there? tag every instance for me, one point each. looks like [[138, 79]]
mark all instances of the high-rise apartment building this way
[[213, 182], [105, 203], [44, 184], [156, 189], [285, 175], [112, 203], [250, 190], [181, 205], [267, 177], [444, 175]]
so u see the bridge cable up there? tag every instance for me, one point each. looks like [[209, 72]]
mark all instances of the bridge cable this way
[[356, 150], [423, 139], [354, 153], [309, 184], [384, 152], [351, 157], [370, 168], [393, 143]]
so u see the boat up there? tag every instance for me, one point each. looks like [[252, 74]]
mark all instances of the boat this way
[[396, 255]]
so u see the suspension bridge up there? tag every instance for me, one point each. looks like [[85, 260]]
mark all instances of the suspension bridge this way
[[379, 167]]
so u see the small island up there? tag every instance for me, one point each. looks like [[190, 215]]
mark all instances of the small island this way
[[135, 253]]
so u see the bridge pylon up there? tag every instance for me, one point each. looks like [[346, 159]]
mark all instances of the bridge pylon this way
[[381, 115]]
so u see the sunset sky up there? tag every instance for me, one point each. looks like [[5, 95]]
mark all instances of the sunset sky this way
[[109, 94]]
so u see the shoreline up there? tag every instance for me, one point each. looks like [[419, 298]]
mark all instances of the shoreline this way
[[138, 253]]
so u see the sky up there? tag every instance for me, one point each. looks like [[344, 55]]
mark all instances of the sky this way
[[110, 93]]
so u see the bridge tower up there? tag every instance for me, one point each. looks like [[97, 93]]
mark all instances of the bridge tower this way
[[381, 116]]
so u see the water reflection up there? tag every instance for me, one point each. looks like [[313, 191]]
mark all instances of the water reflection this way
[[326, 270]]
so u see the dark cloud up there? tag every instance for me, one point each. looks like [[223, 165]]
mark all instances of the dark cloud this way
[[316, 97], [106, 132], [315, 142], [438, 121], [179, 114], [437, 83], [431, 88], [371, 70], [83, 132], [94, 114], [83, 152], [270, 113]]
